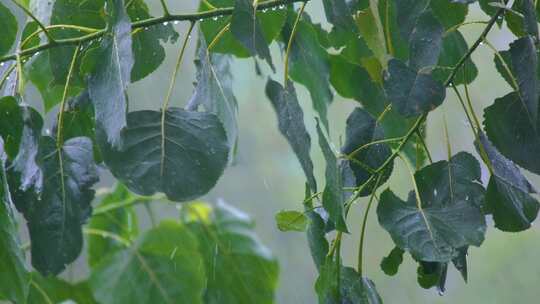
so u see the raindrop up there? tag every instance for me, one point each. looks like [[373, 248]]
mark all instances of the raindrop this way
[[215, 18], [274, 8], [282, 6], [166, 23], [264, 10], [176, 22], [189, 37], [1, 64], [201, 20]]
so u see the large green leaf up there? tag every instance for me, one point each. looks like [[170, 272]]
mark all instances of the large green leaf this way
[[55, 216], [108, 82], [309, 64], [121, 222], [246, 27], [164, 266], [407, 14], [291, 124], [214, 91], [180, 153], [524, 67], [508, 196], [448, 215], [239, 268], [508, 127], [8, 23], [448, 12], [148, 52], [363, 129], [14, 276], [333, 196], [290, 220], [412, 93], [527, 22], [271, 23]]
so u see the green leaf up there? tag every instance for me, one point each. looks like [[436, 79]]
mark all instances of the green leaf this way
[[121, 222], [527, 22], [508, 194], [148, 52], [524, 67], [108, 82], [291, 124], [373, 35], [450, 12], [390, 264], [291, 221], [55, 216], [8, 23], [54, 290], [448, 215], [164, 266], [339, 14], [271, 23], [309, 64], [73, 12], [11, 126], [352, 287], [246, 27], [29, 29], [318, 245], [239, 268], [14, 275], [508, 127], [454, 47], [362, 129], [503, 63], [412, 93], [180, 153], [214, 91], [407, 13], [38, 71], [333, 196], [425, 42], [432, 274]]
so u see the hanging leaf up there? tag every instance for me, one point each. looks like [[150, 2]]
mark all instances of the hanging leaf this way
[[508, 195], [55, 217], [508, 127], [448, 215], [362, 129], [291, 124], [179, 153], [270, 21], [333, 196], [239, 268], [425, 42], [373, 35], [108, 82], [121, 222], [28, 30], [318, 245], [524, 67], [407, 13], [523, 20], [390, 264], [291, 221], [164, 266], [14, 276], [450, 12], [338, 13], [352, 287], [246, 27], [147, 49], [11, 126], [214, 91], [8, 23], [309, 64], [412, 93]]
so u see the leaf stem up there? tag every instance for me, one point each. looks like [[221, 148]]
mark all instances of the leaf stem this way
[[289, 44], [107, 235], [424, 145], [60, 125], [27, 12], [363, 230], [6, 75], [218, 36], [165, 8], [55, 26], [101, 210], [194, 17]]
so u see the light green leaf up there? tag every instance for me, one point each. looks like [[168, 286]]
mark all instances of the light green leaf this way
[[164, 266], [8, 24], [291, 221]]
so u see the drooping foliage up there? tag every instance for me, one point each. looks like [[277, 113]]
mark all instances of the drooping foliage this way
[[397, 60]]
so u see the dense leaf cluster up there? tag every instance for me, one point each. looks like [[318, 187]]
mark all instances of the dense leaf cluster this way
[[396, 58]]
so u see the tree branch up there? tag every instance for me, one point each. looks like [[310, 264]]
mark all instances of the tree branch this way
[[201, 16]]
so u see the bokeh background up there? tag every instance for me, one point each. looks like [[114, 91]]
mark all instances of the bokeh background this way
[[266, 178]]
